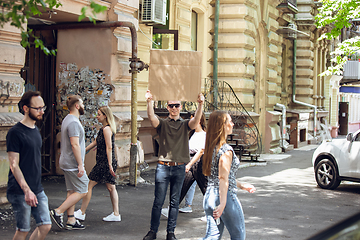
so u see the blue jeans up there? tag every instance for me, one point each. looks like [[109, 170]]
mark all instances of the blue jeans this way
[[232, 217], [190, 194], [165, 175], [22, 211]]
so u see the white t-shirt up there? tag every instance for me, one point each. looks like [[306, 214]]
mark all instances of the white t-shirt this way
[[197, 142]]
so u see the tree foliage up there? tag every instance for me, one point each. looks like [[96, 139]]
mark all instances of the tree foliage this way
[[337, 15], [17, 13]]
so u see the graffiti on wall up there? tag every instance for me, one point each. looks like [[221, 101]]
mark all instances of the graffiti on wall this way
[[4, 89], [8, 88], [90, 85]]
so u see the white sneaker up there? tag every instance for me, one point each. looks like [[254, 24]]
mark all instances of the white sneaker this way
[[112, 218], [165, 212], [203, 219], [185, 209], [79, 215]]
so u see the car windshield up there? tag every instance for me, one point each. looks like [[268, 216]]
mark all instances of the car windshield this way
[[349, 229]]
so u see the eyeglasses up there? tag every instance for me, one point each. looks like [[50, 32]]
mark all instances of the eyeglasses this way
[[39, 109], [177, 105]]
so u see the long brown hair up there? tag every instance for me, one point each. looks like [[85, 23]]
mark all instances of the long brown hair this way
[[215, 137], [109, 117]]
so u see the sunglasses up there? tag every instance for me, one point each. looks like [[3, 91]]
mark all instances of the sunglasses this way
[[177, 105]]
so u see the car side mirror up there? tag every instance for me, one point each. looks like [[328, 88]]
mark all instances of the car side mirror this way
[[349, 137]]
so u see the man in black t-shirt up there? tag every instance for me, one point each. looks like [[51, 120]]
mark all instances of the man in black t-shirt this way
[[24, 190]]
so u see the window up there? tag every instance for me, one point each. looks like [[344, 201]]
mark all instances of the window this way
[[165, 39], [194, 24]]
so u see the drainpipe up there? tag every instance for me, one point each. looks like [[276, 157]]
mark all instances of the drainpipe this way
[[215, 66], [283, 124], [294, 88], [136, 65]]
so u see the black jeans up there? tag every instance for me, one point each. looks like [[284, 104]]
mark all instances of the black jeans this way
[[194, 174]]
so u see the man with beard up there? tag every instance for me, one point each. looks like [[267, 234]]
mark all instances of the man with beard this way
[[72, 163], [24, 190]]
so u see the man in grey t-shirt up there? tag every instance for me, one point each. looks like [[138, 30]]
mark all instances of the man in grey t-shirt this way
[[71, 127], [72, 163]]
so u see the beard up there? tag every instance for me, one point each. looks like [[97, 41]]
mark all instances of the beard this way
[[34, 117], [81, 111]]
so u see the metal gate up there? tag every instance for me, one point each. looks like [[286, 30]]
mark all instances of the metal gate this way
[[39, 75], [245, 139]]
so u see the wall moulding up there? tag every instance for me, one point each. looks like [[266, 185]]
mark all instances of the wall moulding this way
[[120, 7], [9, 36], [182, 4], [248, 3], [10, 68]]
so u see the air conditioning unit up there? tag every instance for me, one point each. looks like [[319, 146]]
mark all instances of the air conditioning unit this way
[[153, 12], [351, 70]]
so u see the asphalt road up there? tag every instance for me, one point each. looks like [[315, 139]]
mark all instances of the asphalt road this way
[[287, 205]]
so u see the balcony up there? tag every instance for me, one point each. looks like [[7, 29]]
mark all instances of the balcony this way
[[288, 6]]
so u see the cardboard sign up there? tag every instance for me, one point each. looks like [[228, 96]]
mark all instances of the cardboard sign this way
[[175, 75]]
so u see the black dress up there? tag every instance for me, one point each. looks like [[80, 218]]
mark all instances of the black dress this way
[[100, 172]]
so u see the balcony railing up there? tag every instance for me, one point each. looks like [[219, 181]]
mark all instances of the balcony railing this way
[[288, 6]]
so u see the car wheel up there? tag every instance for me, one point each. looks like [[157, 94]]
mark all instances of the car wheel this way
[[326, 174]]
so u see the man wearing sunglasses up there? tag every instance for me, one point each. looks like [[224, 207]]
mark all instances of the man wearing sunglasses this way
[[25, 191], [173, 157]]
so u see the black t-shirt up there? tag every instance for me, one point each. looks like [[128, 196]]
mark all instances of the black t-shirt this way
[[27, 142]]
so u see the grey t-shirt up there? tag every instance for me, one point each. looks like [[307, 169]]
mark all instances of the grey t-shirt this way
[[71, 127]]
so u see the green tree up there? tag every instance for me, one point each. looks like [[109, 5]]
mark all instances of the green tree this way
[[17, 12], [337, 15]]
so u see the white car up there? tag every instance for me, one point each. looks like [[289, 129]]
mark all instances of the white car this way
[[337, 160]]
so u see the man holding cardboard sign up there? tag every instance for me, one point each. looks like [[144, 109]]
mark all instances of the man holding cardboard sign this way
[[173, 157]]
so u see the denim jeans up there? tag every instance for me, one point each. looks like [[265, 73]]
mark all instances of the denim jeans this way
[[232, 217], [22, 211], [165, 175], [190, 194]]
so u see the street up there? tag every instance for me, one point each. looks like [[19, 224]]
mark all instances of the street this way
[[287, 205]]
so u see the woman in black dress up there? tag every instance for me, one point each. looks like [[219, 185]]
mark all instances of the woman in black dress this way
[[106, 164]]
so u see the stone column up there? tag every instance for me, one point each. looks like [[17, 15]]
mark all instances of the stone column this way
[[305, 55], [12, 59], [121, 79]]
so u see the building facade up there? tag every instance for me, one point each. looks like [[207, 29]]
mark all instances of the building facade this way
[[267, 52]]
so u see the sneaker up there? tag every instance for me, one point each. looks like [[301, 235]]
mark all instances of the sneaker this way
[[112, 218], [165, 212], [76, 226], [150, 235], [58, 219], [203, 219], [185, 209], [79, 215]]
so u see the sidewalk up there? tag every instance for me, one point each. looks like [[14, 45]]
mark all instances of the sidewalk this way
[[135, 208]]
